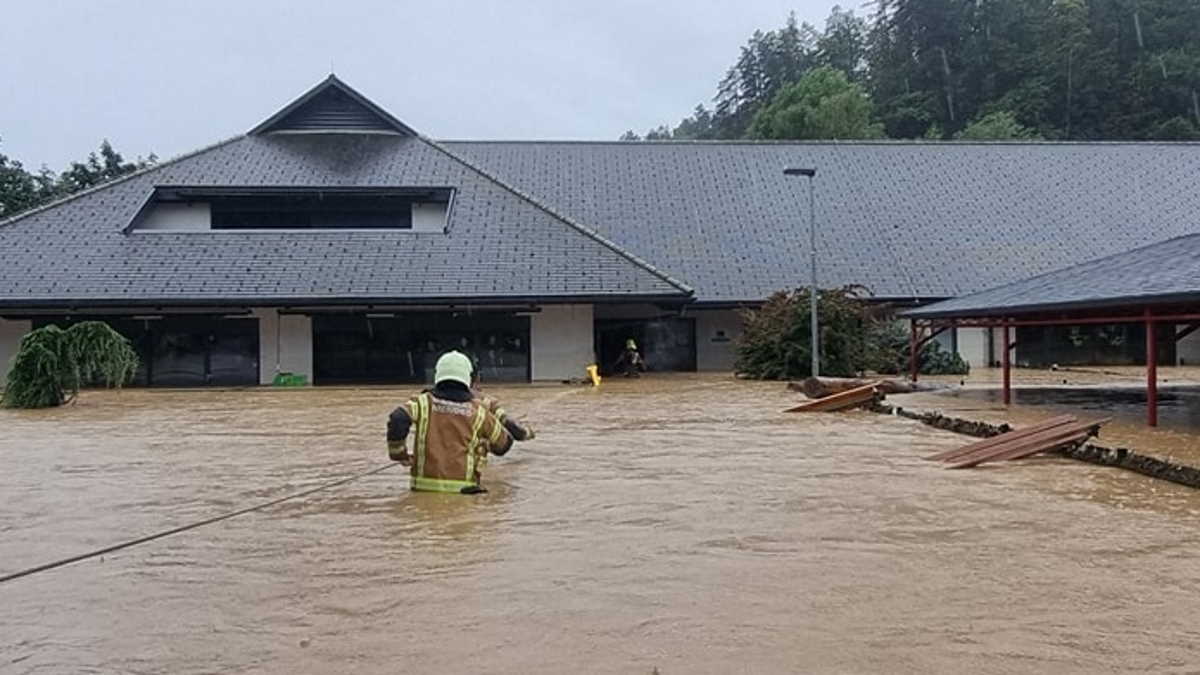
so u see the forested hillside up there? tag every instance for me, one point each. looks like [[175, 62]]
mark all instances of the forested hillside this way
[[983, 69]]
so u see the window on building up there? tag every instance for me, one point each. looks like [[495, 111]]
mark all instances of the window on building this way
[[200, 209], [311, 211]]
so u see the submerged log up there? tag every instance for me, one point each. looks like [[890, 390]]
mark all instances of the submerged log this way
[[851, 398], [820, 387]]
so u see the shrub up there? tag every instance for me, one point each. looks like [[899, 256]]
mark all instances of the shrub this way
[[52, 363], [856, 336]]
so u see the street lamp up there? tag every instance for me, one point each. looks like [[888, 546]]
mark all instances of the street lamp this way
[[812, 258]]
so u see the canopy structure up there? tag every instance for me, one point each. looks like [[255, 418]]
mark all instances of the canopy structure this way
[[1154, 285]]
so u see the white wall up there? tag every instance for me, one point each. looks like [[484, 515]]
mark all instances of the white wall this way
[[429, 217], [284, 344], [1187, 350], [716, 331], [186, 217], [973, 346], [561, 341], [11, 333]]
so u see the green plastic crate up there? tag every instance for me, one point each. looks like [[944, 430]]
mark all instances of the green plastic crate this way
[[290, 380]]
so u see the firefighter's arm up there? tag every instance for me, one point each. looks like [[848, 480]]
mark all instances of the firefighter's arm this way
[[399, 422], [518, 431], [499, 440]]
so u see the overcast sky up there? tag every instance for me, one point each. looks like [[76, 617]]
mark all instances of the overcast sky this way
[[170, 76]]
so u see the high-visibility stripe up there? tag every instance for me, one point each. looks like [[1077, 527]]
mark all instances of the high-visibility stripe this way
[[422, 432], [476, 424], [497, 429], [422, 484]]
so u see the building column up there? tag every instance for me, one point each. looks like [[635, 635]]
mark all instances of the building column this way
[[973, 346], [1006, 364], [11, 333], [716, 334], [561, 342], [1151, 372], [285, 344]]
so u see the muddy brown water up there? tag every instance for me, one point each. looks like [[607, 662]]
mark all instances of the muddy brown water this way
[[676, 523]]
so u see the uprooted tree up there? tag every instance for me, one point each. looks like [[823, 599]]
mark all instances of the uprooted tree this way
[[856, 336], [52, 364]]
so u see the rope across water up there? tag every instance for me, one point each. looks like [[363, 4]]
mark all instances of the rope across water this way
[[190, 526]]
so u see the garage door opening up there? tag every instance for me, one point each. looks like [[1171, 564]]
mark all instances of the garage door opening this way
[[191, 351], [403, 348], [668, 345]]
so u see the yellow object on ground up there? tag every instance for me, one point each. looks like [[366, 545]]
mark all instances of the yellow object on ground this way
[[594, 373]]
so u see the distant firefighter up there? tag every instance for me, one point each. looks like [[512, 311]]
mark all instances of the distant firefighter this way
[[630, 363]]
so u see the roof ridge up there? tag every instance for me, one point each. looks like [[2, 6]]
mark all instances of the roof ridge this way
[[915, 142], [583, 229], [120, 179]]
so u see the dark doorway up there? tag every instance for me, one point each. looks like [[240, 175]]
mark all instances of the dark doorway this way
[[191, 351], [403, 348], [668, 345]]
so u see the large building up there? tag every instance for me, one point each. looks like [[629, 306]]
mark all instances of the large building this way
[[334, 241]]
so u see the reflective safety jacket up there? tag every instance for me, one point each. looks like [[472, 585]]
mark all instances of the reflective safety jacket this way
[[452, 436]]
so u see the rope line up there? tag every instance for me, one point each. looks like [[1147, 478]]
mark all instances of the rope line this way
[[190, 526], [225, 516]]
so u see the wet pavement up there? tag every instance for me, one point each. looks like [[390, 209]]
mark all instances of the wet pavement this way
[[679, 523]]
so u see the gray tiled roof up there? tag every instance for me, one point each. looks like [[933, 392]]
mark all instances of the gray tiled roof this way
[[499, 244], [907, 220], [1167, 272]]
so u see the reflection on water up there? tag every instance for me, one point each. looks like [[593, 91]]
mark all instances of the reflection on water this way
[[1178, 407], [681, 523]]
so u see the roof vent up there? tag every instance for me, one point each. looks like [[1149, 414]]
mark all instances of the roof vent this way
[[333, 107]]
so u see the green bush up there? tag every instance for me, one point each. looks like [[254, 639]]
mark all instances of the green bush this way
[[52, 363], [856, 336], [892, 352]]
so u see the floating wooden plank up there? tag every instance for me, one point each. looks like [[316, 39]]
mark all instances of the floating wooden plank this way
[[1017, 443], [1031, 445], [846, 399], [947, 455]]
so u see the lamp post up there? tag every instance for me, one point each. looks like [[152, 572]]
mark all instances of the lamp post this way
[[812, 258]]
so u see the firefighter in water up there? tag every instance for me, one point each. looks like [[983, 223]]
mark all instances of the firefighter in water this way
[[631, 363], [453, 433]]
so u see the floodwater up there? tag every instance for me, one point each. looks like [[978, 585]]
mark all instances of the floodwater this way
[[677, 523]]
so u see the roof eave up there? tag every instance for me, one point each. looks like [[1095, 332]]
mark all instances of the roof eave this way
[[7, 305], [1131, 302]]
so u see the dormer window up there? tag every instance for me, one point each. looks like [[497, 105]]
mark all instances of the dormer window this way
[[312, 211], [206, 209]]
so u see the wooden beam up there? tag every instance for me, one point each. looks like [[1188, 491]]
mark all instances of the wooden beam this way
[[948, 455], [1191, 328]]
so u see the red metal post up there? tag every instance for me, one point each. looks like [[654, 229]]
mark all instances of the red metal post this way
[[1006, 365], [913, 364], [1151, 373]]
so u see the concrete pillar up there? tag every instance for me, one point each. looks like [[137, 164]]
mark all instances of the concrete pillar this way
[[716, 333], [284, 344], [561, 341], [973, 346], [11, 333]]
